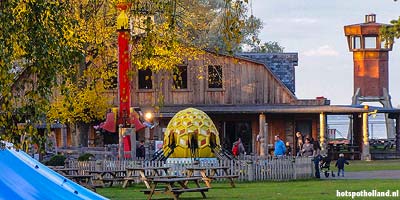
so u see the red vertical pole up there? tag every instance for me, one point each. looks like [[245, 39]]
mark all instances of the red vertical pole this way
[[124, 64]]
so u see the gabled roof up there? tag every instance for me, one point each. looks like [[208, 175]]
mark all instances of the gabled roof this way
[[260, 63]]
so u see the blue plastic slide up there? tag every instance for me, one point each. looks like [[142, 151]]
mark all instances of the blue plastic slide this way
[[22, 177]]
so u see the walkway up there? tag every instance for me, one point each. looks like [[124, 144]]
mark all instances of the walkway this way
[[383, 174]]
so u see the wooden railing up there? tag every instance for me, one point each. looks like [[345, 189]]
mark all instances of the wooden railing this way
[[271, 169]]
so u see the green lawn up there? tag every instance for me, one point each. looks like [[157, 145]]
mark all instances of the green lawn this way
[[358, 165], [306, 189]]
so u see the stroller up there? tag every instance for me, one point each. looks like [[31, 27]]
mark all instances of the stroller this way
[[325, 166]]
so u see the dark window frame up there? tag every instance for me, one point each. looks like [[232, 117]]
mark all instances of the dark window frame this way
[[215, 77], [180, 78], [143, 83]]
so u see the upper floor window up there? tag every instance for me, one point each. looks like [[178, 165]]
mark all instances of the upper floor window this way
[[180, 77], [214, 76], [145, 79], [370, 42], [356, 42]]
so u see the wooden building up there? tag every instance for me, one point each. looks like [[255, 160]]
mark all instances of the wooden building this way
[[234, 91]]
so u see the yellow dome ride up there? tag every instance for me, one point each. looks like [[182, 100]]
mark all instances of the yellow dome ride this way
[[191, 134]]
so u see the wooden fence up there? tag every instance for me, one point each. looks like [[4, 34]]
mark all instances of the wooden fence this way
[[271, 169]]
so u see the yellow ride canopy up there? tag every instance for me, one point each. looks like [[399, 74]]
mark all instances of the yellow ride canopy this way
[[191, 133]]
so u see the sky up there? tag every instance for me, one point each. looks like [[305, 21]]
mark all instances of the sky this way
[[314, 29]]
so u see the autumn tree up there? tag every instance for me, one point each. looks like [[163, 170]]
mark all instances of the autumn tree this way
[[82, 97], [36, 42], [64, 52]]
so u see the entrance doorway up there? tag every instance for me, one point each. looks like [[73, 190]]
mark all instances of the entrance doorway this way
[[304, 127], [234, 130]]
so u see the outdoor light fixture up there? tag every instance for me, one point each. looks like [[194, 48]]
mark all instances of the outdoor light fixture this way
[[148, 116]]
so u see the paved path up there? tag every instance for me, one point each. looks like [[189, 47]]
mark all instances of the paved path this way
[[383, 174]]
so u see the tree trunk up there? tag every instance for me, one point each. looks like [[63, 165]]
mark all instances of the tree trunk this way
[[83, 130], [80, 134]]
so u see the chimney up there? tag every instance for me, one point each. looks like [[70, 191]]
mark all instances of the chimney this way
[[370, 18]]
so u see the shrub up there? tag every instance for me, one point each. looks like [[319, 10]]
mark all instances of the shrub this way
[[85, 157], [56, 160]]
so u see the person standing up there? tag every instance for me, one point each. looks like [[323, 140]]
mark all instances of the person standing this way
[[340, 164], [299, 143], [238, 148], [141, 150], [308, 148], [280, 148]]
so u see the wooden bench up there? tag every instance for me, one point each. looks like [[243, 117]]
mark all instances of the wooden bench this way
[[229, 177], [182, 190], [147, 191], [113, 180], [225, 176]]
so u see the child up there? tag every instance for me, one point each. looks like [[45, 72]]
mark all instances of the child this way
[[340, 164]]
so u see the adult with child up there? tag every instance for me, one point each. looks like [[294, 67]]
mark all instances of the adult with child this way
[[280, 147], [308, 148], [340, 164]]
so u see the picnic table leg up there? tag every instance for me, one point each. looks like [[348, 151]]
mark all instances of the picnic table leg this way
[[202, 192], [145, 180], [232, 183], [189, 173], [126, 181], [230, 179], [152, 189], [206, 180]]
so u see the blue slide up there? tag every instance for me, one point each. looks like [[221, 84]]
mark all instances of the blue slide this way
[[22, 177]]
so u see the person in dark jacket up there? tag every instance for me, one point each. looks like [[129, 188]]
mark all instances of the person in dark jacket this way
[[141, 150], [340, 164]]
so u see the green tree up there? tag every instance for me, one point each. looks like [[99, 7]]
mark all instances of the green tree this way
[[267, 47], [389, 33], [36, 42], [60, 52]]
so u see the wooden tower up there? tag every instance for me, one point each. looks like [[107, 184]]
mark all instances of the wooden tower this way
[[371, 64]]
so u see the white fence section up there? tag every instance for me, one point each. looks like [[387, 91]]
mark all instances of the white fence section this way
[[271, 169]]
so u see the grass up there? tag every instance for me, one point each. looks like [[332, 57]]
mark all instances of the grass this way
[[305, 189], [301, 189], [359, 165]]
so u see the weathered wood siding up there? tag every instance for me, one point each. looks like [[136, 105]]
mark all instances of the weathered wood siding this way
[[244, 82]]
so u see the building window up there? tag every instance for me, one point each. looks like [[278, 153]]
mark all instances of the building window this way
[[180, 77], [370, 42], [356, 43], [145, 79], [214, 76]]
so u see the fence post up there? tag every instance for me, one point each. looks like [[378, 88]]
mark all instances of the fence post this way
[[250, 170], [98, 165], [294, 169]]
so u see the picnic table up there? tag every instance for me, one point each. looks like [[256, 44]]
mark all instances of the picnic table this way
[[84, 180], [190, 171], [103, 176], [67, 171], [155, 172], [171, 188]]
